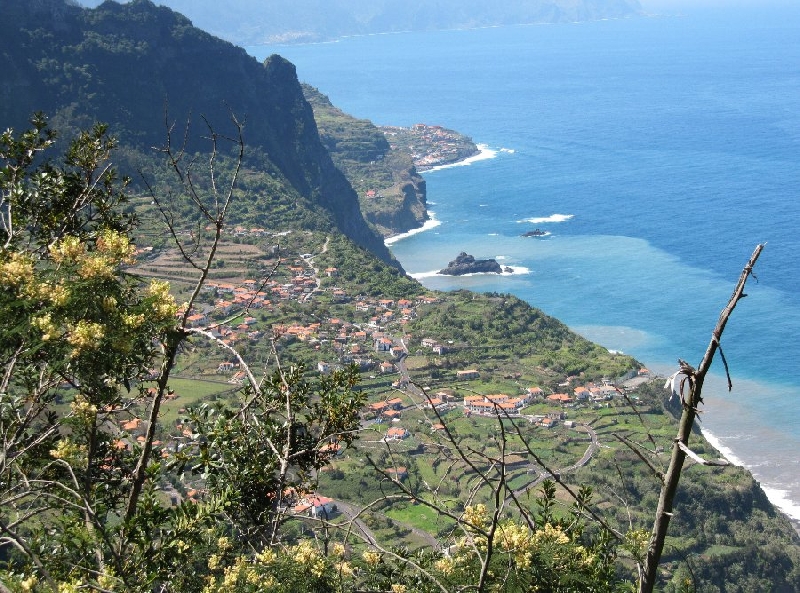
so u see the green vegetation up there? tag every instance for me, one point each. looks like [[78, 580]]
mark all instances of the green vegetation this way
[[148, 449], [390, 191], [146, 72], [501, 331]]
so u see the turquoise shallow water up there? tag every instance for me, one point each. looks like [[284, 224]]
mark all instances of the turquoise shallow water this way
[[656, 152]]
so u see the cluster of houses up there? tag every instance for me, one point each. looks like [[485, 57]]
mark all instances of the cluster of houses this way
[[495, 404], [430, 145]]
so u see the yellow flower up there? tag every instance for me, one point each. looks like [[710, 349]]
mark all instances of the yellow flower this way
[[213, 562], [371, 558], [475, 516], [550, 534], [396, 588], [95, 266], [116, 245], [516, 540], [85, 335], [107, 581], [28, 584], [252, 577], [224, 544], [109, 304], [58, 294], [44, 323], [17, 271], [267, 556], [338, 549], [305, 553], [345, 569], [446, 566], [81, 408], [69, 249], [69, 452], [133, 320], [164, 305]]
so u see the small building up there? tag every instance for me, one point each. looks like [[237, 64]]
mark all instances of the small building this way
[[318, 507], [467, 375], [396, 403], [560, 398], [225, 367], [391, 414], [398, 473], [397, 433]]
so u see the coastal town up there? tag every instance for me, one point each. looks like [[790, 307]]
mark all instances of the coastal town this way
[[404, 411], [430, 145]]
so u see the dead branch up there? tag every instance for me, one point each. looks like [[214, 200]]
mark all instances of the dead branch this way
[[690, 400]]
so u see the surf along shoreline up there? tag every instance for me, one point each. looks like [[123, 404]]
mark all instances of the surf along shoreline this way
[[778, 497]]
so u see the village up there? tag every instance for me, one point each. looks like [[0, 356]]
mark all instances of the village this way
[[373, 334], [430, 146]]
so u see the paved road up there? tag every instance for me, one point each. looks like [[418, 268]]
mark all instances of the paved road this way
[[351, 511], [587, 456]]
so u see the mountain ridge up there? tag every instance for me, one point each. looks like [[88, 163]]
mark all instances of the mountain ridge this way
[[141, 68], [250, 22]]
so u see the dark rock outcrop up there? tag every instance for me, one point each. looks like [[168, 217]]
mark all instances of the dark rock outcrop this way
[[467, 264]]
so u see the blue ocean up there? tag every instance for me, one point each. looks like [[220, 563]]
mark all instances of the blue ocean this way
[[654, 152]]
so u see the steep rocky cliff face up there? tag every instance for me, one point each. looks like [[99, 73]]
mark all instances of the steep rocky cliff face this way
[[391, 192], [128, 65], [410, 211]]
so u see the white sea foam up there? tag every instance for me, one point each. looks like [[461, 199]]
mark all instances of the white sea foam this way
[[781, 499], [421, 275], [777, 496], [484, 154], [429, 224], [551, 218], [516, 271], [725, 451]]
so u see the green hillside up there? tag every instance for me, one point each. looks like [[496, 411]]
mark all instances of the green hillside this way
[[216, 377]]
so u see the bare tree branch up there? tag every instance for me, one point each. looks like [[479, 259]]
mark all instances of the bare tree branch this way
[[690, 402]]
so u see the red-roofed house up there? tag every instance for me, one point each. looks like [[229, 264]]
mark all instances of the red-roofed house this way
[[397, 433], [315, 506]]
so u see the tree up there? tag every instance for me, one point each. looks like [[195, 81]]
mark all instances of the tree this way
[[80, 501]]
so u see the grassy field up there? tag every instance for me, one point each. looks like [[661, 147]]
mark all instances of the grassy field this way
[[191, 392]]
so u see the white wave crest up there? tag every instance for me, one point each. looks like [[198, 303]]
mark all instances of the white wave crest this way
[[551, 218], [421, 275], [780, 498], [485, 153], [429, 224]]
